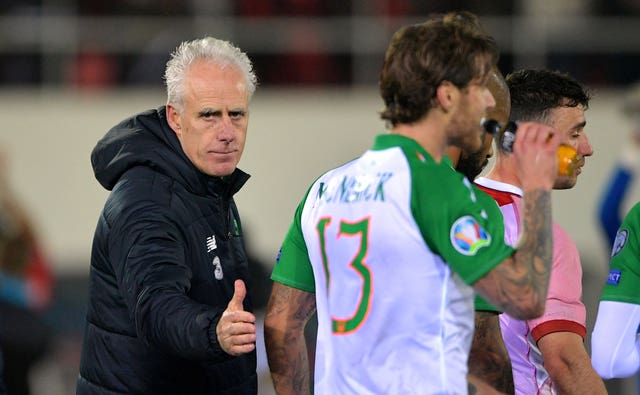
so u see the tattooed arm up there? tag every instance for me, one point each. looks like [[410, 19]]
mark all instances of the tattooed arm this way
[[489, 358], [288, 312], [518, 286]]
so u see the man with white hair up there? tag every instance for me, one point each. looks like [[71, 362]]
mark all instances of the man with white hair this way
[[168, 309]]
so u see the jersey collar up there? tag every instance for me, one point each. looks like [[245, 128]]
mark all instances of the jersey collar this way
[[390, 140]]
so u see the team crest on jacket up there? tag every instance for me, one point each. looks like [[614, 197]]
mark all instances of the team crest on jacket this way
[[467, 236], [619, 242], [217, 269]]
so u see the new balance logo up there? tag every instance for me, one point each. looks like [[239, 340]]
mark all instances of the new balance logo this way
[[211, 243]]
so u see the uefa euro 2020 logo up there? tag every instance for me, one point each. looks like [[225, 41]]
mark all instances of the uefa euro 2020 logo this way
[[467, 236]]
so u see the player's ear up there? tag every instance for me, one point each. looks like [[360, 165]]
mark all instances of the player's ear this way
[[447, 95], [174, 118]]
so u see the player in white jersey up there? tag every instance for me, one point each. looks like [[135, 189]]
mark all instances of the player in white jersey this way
[[390, 247], [547, 353]]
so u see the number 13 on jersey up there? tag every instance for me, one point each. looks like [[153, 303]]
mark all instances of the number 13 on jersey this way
[[357, 263]]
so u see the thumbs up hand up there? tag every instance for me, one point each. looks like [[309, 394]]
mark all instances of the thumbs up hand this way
[[236, 329]]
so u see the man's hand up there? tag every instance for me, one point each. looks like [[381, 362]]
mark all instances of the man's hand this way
[[236, 329], [535, 150]]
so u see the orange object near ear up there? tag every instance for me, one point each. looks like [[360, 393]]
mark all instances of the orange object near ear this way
[[567, 160]]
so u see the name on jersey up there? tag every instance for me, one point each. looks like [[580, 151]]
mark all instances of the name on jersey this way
[[354, 189]]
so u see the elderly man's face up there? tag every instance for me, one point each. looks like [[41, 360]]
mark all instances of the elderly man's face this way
[[212, 127]]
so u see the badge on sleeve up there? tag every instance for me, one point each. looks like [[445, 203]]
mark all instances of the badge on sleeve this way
[[467, 236], [614, 277], [619, 242]]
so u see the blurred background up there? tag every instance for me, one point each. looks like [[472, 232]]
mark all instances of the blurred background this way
[[71, 69]]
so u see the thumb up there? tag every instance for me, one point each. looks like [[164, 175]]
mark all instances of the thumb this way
[[239, 293]]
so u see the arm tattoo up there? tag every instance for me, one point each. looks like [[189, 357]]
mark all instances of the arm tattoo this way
[[489, 358], [288, 311], [537, 243], [520, 287]]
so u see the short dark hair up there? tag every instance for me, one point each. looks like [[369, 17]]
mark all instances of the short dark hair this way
[[535, 92], [422, 56]]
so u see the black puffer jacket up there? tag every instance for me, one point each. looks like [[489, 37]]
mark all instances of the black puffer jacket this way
[[166, 252], [3, 391]]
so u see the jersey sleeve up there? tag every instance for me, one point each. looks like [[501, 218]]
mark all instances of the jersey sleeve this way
[[480, 303], [623, 281], [564, 310], [615, 347], [460, 222], [293, 266]]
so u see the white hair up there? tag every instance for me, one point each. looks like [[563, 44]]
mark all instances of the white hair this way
[[220, 52]]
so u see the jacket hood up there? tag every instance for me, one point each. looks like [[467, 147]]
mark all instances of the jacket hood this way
[[146, 139]]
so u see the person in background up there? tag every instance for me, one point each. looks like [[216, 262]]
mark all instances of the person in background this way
[[26, 284], [488, 357], [390, 246], [169, 310], [611, 212], [614, 342], [547, 353], [615, 345]]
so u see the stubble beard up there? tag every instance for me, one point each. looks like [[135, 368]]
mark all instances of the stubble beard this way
[[565, 182]]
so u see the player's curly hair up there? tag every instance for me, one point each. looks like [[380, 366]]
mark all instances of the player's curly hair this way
[[420, 57]]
